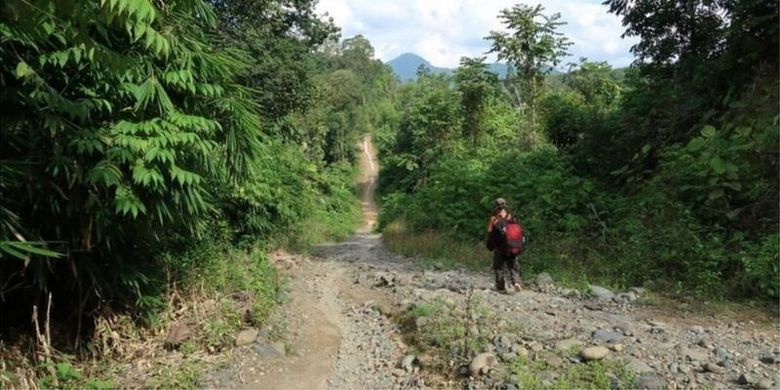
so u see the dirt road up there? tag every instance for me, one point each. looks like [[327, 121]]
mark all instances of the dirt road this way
[[344, 327]]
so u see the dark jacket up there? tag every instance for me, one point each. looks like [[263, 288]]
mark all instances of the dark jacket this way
[[494, 240]]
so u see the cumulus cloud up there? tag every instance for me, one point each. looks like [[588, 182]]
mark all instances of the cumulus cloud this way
[[442, 31]]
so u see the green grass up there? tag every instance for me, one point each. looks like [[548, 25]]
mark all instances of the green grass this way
[[591, 375], [182, 376], [556, 257], [434, 248], [444, 334], [325, 226]]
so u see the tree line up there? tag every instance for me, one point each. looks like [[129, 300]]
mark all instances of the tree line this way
[[664, 173], [133, 131]]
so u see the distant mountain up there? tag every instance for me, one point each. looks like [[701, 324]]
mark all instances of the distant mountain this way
[[405, 67]]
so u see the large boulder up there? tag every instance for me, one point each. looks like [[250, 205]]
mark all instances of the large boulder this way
[[594, 353], [246, 337], [544, 280], [178, 333], [482, 364], [600, 292]]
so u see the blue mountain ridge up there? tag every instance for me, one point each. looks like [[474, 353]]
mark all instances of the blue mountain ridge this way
[[405, 67]]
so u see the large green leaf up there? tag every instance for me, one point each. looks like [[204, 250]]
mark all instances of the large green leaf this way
[[696, 144], [718, 165]]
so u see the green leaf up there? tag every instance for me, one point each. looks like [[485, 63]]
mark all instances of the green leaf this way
[[718, 165], [23, 70], [708, 131], [21, 249], [696, 144]]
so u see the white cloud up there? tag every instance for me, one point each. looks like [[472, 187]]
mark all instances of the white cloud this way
[[442, 31]]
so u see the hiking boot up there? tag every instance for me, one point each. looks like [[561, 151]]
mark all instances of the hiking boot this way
[[517, 287]]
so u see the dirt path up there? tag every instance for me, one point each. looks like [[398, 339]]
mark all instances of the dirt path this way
[[369, 172], [347, 301]]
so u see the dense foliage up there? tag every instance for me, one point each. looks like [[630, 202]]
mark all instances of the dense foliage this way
[[664, 173], [131, 128]]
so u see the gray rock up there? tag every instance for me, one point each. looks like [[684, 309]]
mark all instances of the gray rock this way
[[503, 343], [627, 297], [696, 356], [508, 356], [616, 347], [536, 347], [544, 279], [770, 358], [267, 351], [384, 280], [650, 382], [482, 363], [600, 292], [407, 363], [605, 336], [178, 334], [625, 327], [764, 384], [711, 367], [246, 336], [639, 367], [638, 290], [746, 379], [614, 382], [594, 353]]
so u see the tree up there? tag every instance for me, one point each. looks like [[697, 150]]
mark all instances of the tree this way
[[596, 81], [428, 125], [476, 85], [118, 117], [533, 46], [279, 36]]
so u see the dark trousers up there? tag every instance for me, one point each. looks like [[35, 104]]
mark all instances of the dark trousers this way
[[502, 261]]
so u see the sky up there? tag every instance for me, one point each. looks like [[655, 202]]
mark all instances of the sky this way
[[442, 31]]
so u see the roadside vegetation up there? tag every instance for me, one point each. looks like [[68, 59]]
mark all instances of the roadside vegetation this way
[[152, 154], [663, 174]]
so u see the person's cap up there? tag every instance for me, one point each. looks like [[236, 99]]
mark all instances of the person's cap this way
[[500, 203]]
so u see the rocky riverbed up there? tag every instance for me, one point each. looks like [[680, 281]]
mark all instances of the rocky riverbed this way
[[388, 322]]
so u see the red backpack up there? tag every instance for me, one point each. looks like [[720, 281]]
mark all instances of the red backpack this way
[[511, 235]]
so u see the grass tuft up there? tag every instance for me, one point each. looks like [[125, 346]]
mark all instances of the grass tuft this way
[[435, 248]]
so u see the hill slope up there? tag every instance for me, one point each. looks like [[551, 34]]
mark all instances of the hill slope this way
[[405, 67]]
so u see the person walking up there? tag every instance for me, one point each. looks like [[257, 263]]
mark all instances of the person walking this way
[[503, 239]]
